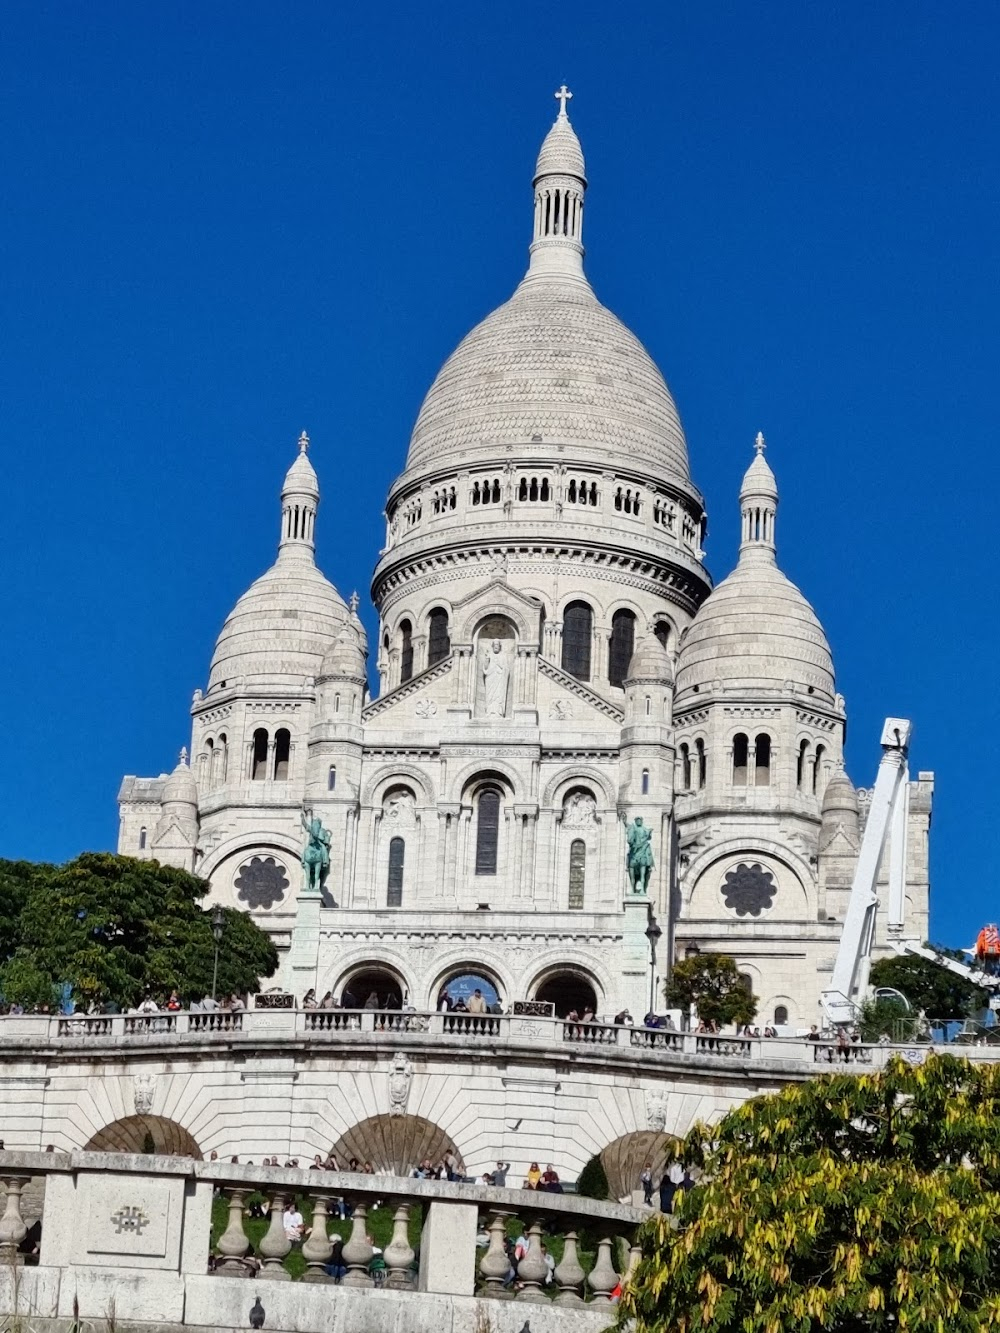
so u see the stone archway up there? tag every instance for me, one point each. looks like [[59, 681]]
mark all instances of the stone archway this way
[[624, 1159], [145, 1133], [569, 989], [396, 1143], [371, 979]]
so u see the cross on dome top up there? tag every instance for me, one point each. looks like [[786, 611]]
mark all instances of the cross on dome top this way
[[183, 757], [758, 443], [562, 97], [303, 442]]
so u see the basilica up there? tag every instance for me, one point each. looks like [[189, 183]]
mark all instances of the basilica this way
[[553, 665]]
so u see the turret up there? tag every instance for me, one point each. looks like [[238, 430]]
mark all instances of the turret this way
[[176, 831], [559, 185]]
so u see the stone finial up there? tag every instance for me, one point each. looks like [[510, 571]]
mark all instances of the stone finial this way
[[758, 443], [303, 442], [562, 97], [354, 602], [183, 756]]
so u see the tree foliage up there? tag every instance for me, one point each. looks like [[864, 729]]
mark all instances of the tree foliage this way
[[118, 929], [940, 993], [593, 1181], [711, 982], [848, 1203]]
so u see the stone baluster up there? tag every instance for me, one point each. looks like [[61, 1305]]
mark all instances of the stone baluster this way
[[12, 1225], [603, 1279], [569, 1273], [358, 1251], [399, 1253], [634, 1255], [233, 1243], [317, 1247], [494, 1267], [533, 1270], [275, 1244]]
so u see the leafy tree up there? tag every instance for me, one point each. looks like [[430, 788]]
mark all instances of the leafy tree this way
[[940, 993], [16, 881], [22, 982], [119, 929], [593, 1181], [848, 1203], [886, 1015], [711, 982]]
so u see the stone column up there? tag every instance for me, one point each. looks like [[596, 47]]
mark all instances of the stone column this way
[[533, 1270], [357, 1252], [494, 1266], [275, 1244], [12, 1225], [399, 1253], [603, 1279], [317, 1247], [569, 1274]]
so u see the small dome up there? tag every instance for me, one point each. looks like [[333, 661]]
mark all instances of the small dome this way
[[840, 797], [560, 153], [650, 661], [756, 630], [280, 629], [301, 478], [345, 659], [180, 787], [759, 480]]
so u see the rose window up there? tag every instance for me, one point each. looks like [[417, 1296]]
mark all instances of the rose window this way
[[261, 882], [749, 889]]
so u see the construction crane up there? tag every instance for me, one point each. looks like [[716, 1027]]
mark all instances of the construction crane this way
[[887, 816]]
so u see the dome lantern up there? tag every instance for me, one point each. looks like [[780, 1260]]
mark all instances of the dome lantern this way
[[299, 502], [758, 507], [559, 184]]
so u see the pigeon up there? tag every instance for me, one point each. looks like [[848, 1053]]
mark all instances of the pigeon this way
[[257, 1314]]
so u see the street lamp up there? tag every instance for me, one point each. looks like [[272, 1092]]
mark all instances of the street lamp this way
[[653, 933], [218, 926]]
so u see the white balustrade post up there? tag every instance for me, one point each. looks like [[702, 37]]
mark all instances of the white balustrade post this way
[[12, 1225], [399, 1253], [317, 1247], [603, 1279], [494, 1267], [275, 1244], [569, 1273], [358, 1251], [533, 1270], [233, 1243]]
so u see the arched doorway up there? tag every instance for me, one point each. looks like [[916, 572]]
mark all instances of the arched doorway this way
[[371, 979], [145, 1133], [568, 990], [461, 983], [396, 1143], [624, 1159]]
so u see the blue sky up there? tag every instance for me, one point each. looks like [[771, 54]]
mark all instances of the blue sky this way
[[225, 223]]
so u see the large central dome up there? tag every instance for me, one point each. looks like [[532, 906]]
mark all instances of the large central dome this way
[[554, 363]]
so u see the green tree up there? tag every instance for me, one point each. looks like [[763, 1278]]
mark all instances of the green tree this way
[[927, 986], [17, 879], [119, 929], [711, 982], [593, 1181], [848, 1203]]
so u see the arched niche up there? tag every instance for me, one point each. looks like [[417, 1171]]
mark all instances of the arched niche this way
[[396, 1143], [462, 979], [624, 1160], [568, 988], [145, 1133], [370, 979]]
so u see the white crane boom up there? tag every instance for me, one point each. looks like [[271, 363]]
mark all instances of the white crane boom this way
[[850, 971]]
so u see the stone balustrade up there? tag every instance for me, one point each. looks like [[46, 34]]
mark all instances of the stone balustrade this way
[[140, 1227]]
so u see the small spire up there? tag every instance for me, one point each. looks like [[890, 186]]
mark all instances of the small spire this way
[[758, 443], [303, 442], [562, 97], [184, 755], [355, 602]]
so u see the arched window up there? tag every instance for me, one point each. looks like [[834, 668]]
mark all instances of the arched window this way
[[331, 778], [685, 767], [645, 782], [221, 758], [438, 641], [578, 629], [741, 748], [620, 646], [762, 761], [817, 769], [405, 651], [800, 765], [142, 840], [662, 631], [394, 889], [488, 831], [258, 765], [780, 1015], [282, 753], [699, 746], [577, 873], [208, 763]]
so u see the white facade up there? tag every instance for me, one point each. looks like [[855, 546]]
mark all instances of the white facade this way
[[552, 662]]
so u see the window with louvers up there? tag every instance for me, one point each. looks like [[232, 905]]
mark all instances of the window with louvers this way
[[577, 873], [397, 853], [578, 627], [438, 640], [620, 647], [488, 832]]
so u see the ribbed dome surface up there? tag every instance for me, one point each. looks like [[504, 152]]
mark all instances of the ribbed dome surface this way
[[560, 153], [756, 629], [280, 629], [552, 362], [650, 662]]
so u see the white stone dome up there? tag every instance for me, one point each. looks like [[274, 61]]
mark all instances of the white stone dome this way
[[755, 630], [180, 787], [345, 658], [650, 662], [551, 363], [280, 629]]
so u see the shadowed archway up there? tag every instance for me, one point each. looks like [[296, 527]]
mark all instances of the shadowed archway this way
[[624, 1159], [396, 1143], [145, 1133]]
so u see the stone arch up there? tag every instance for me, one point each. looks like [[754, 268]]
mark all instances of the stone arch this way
[[493, 768], [624, 1159], [134, 1133], [461, 964], [472, 617], [557, 788], [376, 786], [396, 1143], [572, 963], [240, 845], [359, 960], [763, 849]]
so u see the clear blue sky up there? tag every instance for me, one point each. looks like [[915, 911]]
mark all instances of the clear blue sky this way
[[225, 222]]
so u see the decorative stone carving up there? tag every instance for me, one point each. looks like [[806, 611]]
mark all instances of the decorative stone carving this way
[[399, 808], [749, 889], [261, 882], [656, 1111], [495, 671], [400, 1075], [560, 710], [426, 708], [579, 811], [143, 1092]]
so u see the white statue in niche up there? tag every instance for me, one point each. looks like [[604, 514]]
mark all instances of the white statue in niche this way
[[495, 671], [579, 810], [400, 808]]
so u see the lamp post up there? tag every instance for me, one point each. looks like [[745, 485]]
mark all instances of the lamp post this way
[[218, 926], [653, 933]]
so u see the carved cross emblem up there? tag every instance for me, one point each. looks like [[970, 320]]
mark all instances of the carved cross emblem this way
[[129, 1221]]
